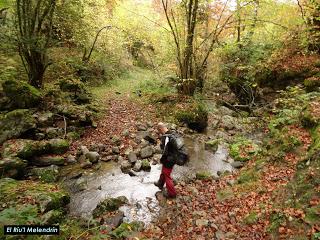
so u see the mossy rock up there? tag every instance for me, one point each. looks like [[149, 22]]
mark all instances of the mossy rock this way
[[13, 124], [21, 94], [79, 116], [58, 146], [109, 205], [46, 174], [312, 83], [212, 145], [145, 165], [79, 93], [203, 175], [196, 117], [28, 149], [12, 167]]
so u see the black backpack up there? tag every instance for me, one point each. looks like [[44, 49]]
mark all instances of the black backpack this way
[[180, 153]]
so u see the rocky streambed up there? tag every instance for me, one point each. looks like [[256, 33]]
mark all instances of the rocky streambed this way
[[89, 188]]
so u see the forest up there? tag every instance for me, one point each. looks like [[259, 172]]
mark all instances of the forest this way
[[84, 85]]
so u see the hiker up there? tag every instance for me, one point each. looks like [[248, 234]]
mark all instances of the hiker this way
[[168, 161]]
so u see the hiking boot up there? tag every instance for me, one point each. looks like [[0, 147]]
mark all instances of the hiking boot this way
[[157, 184]]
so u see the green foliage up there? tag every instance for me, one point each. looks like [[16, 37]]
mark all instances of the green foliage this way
[[22, 214], [126, 229], [243, 149], [251, 218], [250, 175], [195, 116]]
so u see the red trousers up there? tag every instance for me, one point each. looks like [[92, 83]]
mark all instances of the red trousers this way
[[165, 178]]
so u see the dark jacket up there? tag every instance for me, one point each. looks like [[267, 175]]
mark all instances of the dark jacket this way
[[169, 151]]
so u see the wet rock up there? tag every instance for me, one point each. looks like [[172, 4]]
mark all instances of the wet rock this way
[[109, 205], [71, 159], [84, 150], [212, 145], [80, 185], [46, 174], [115, 150], [145, 165], [12, 167], [97, 166], [132, 157], [132, 173], [43, 161], [93, 157], [75, 175], [116, 220], [146, 152], [137, 166], [13, 124], [237, 164], [125, 166], [86, 165]]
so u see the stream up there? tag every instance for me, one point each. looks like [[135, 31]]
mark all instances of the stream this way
[[109, 181]]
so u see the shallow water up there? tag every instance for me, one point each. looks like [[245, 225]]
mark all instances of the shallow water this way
[[109, 181]]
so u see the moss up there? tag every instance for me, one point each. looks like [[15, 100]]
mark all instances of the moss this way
[[312, 83], [212, 145], [12, 167], [126, 229], [203, 175], [196, 117], [58, 146], [13, 124], [145, 165], [21, 94], [313, 215], [248, 176], [243, 150], [251, 218]]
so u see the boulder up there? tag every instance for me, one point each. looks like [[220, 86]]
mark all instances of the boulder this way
[[146, 152], [125, 166], [132, 157], [145, 165], [24, 148], [237, 164], [109, 205], [12, 167], [13, 124], [83, 150], [80, 185], [44, 119], [53, 132], [46, 174], [48, 160], [21, 94], [93, 157], [228, 122]]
